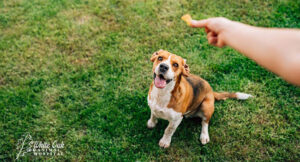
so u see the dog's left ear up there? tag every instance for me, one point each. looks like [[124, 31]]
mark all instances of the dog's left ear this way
[[186, 69]]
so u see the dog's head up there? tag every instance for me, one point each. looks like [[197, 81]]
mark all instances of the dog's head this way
[[167, 67]]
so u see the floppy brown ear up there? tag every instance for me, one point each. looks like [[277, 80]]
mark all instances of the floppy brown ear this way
[[186, 69], [154, 55]]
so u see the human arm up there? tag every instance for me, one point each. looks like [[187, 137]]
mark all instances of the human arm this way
[[278, 50]]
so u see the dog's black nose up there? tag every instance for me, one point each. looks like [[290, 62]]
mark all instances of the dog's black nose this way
[[163, 67]]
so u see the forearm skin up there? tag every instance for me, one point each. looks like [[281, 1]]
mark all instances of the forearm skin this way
[[278, 50]]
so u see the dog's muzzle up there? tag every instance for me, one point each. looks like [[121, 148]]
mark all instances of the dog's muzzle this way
[[163, 68]]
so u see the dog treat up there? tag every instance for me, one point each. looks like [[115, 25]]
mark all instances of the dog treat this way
[[187, 18]]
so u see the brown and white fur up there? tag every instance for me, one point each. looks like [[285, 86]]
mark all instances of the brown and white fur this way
[[175, 93]]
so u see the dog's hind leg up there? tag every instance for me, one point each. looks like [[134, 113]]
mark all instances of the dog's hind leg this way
[[205, 112]]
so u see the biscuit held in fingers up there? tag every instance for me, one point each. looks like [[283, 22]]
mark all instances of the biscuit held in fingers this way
[[187, 18]]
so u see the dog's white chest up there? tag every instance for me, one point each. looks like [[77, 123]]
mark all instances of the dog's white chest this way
[[158, 102]]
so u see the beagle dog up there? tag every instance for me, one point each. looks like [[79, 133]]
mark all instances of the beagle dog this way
[[175, 93]]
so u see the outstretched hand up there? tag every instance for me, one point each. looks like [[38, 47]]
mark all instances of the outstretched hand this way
[[215, 29], [273, 48]]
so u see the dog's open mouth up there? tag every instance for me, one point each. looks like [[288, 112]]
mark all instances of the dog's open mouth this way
[[160, 81]]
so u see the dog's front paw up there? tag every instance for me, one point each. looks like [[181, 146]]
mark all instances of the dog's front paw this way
[[164, 142], [151, 124], [204, 138]]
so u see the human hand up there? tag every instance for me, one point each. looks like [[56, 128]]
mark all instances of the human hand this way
[[215, 28]]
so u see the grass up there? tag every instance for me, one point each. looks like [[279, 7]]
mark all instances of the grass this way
[[79, 72]]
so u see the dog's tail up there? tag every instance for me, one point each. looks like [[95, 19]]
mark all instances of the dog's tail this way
[[237, 95]]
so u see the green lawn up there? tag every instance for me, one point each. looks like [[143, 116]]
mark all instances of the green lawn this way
[[79, 72]]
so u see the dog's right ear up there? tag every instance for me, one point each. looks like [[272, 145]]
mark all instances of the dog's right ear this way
[[154, 55]]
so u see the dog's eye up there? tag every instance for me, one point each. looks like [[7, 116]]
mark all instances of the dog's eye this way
[[160, 58], [175, 65]]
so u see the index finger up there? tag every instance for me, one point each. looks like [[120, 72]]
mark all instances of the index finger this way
[[199, 23]]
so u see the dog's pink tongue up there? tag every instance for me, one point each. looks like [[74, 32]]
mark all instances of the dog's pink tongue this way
[[160, 83]]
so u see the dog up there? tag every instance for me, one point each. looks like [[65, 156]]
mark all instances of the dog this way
[[175, 93]]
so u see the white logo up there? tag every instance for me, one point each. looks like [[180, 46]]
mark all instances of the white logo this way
[[26, 145]]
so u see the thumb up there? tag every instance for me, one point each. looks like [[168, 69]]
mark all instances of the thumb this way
[[199, 23]]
